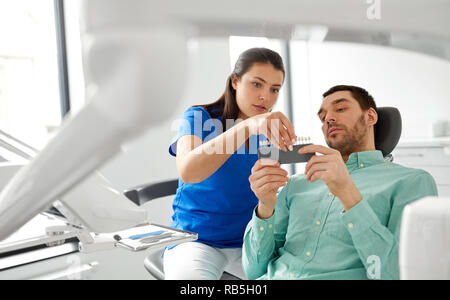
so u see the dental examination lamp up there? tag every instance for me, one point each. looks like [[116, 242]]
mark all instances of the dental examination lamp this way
[[130, 69]]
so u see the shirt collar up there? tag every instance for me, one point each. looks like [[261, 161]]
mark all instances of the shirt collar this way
[[364, 159]]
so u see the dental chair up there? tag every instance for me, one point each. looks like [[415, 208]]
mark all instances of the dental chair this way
[[387, 134], [388, 131], [141, 195]]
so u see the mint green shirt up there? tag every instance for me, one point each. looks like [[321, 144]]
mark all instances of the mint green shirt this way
[[309, 236]]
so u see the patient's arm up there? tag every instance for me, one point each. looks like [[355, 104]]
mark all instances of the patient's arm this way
[[266, 178], [263, 238], [377, 244]]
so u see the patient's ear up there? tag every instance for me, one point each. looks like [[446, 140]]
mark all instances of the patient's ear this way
[[372, 117]]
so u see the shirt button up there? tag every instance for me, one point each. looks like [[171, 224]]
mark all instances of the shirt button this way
[[261, 228], [308, 253], [259, 252], [361, 165], [330, 194], [270, 226], [318, 223], [291, 275], [350, 225]]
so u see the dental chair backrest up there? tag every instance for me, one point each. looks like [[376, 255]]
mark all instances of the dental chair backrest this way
[[387, 130]]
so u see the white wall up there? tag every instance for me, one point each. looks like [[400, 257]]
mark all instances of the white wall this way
[[147, 159], [414, 83]]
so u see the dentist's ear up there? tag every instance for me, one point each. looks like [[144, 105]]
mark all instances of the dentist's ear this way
[[234, 81]]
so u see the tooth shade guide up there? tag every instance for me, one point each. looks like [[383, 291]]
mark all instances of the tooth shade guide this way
[[298, 141]]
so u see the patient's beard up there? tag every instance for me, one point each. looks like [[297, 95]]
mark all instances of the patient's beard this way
[[352, 140]]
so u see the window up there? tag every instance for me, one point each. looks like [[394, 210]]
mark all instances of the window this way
[[29, 92]]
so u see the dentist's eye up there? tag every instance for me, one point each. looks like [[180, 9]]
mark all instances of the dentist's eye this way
[[256, 84], [276, 91]]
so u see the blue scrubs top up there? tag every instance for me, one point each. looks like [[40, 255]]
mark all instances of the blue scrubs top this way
[[219, 207]]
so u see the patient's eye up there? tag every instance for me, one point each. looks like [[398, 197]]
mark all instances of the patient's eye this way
[[275, 90], [256, 84]]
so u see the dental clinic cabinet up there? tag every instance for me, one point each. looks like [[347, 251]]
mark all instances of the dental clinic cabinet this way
[[432, 156]]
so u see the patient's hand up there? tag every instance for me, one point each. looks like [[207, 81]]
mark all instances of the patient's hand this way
[[267, 177], [331, 168]]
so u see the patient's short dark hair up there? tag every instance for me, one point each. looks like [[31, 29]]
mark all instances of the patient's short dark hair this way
[[363, 97]]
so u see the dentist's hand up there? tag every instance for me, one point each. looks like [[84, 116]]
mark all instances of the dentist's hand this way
[[330, 168], [267, 177], [275, 126]]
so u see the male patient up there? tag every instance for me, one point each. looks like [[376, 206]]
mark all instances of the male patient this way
[[341, 218]]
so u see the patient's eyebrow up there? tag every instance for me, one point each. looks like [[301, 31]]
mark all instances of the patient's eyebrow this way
[[337, 101], [340, 100]]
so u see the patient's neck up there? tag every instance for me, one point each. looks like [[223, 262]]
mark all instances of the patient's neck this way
[[346, 154], [368, 144]]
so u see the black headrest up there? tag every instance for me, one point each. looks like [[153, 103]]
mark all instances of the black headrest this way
[[388, 129]]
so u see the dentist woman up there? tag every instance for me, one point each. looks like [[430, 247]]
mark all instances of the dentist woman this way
[[215, 151]]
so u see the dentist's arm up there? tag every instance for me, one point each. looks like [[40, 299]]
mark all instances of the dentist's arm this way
[[196, 161]]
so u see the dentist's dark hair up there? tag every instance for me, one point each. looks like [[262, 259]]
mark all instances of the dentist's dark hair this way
[[226, 106]]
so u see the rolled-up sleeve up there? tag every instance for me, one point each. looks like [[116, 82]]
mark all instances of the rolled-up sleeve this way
[[192, 123]]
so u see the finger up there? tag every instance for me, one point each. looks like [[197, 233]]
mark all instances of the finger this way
[[271, 186], [272, 139], [316, 168], [269, 178], [269, 175], [268, 171], [275, 139], [268, 162], [318, 175], [256, 166], [282, 132], [289, 127], [317, 148], [286, 139], [261, 163], [316, 159], [275, 132]]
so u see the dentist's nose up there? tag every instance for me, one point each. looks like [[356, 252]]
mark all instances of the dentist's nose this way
[[264, 96]]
